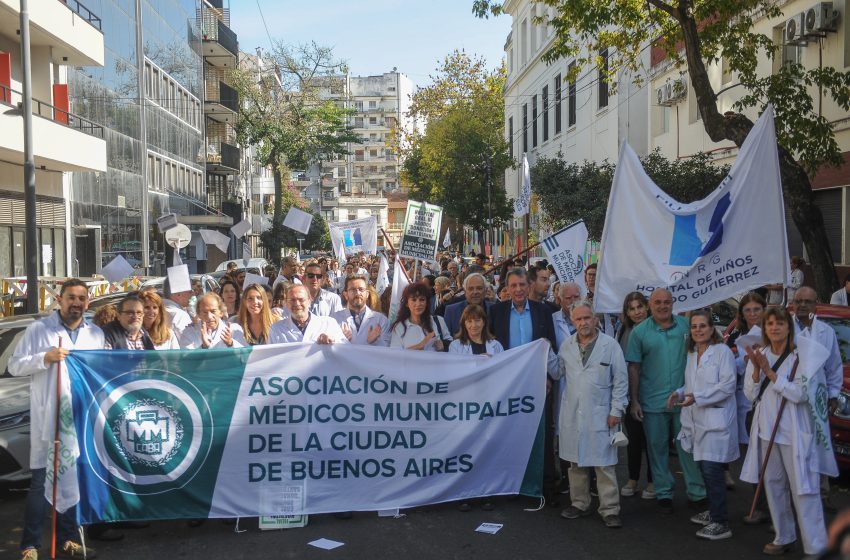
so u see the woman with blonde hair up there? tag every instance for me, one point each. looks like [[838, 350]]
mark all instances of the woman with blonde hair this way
[[155, 321], [255, 316]]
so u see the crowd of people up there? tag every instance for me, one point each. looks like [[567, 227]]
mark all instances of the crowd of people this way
[[646, 378]]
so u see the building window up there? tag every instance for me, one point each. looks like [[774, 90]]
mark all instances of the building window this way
[[545, 113], [558, 104], [602, 78], [511, 137], [571, 97], [373, 120], [358, 122], [373, 104], [534, 121], [525, 128]]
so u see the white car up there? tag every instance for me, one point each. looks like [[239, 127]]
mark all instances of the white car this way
[[257, 263]]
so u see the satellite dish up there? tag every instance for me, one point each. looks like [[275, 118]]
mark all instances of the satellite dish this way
[[179, 236]]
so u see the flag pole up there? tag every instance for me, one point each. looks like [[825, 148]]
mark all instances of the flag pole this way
[[56, 454], [390, 243], [521, 253]]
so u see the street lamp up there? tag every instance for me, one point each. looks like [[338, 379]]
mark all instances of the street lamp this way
[[300, 240]]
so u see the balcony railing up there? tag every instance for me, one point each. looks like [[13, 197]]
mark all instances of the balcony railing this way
[[14, 98], [222, 154], [76, 7], [214, 29], [221, 93]]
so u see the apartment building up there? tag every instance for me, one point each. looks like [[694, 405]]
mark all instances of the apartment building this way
[[357, 185], [62, 35], [547, 115], [811, 33]]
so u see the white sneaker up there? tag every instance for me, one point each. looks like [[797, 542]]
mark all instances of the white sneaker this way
[[628, 490], [648, 493], [715, 532], [703, 518]]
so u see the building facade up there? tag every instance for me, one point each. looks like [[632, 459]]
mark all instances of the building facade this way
[[62, 35]]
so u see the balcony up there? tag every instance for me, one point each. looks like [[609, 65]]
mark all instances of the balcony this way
[[221, 102], [69, 29], [221, 48], [222, 157], [62, 141], [330, 183]]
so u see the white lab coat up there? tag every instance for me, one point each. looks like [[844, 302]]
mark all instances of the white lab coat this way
[[177, 316], [326, 304], [28, 359], [744, 404], [491, 347], [286, 331], [171, 344], [370, 319], [191, 339], [839, 297], [408, 334], [592, 393], [709, 426], [804, 476]]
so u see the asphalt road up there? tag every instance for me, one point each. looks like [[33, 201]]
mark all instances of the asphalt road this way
[[442, 532]]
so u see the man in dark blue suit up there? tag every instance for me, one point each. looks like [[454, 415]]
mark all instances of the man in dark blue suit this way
[[519, 321], [474, 290]]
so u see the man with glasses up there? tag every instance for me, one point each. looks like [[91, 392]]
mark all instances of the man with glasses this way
[[324, 303], [827, 380], [126, 332], [360, 324]]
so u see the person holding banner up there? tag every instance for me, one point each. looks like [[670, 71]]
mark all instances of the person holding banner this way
[[255, 317], [359, 323], [212, 330], [708, 418], [415, 328], [42, 350], [657, 356], [781, 456], [302, 325], [474, 338], [156, 322], [592, 405]]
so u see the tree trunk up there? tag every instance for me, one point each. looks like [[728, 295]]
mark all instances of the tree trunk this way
[[796, 187], [277, 219]]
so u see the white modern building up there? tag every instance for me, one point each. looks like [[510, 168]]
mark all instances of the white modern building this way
[[547, 115], [61, 35]]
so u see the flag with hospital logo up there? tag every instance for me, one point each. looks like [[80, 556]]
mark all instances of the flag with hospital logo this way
[[356, 235], [730, 242]]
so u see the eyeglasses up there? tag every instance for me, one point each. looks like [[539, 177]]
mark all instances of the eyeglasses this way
[[313, 275]]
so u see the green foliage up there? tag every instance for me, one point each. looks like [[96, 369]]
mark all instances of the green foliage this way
[[318, 238], [464, 142], [570, 192]]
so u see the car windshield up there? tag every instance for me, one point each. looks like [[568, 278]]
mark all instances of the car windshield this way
[[842, 331]]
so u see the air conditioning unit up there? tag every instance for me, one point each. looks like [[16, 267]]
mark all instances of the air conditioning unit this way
[[794, 29], [820, 19], [661, 95]]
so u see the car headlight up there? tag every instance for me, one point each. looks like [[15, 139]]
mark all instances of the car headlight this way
[[22, 419], [843, 410]]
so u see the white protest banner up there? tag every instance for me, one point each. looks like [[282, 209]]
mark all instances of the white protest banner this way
[[421, 231], [400, 282], [241, 228], [356, 235], [523, 202], [340, 253], [223, 433], [298, 220], [730, 242], [166, 222], [117, 269], [178, 279], [447, 240], [212, 237], [251, 278], [565, 251], [383, 280]]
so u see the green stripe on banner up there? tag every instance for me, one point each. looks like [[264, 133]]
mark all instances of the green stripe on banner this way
[[532, 481], [161, 420]]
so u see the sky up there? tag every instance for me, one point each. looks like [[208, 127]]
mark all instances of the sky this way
[[374, 36]]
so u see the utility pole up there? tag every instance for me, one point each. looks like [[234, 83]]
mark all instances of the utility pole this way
[[31, 244], [489, 205]]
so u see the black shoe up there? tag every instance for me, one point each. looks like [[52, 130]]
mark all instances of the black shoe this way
[[698, 505], [666, 506]]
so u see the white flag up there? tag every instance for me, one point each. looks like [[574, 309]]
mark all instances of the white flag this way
[[340, 254], [357, 235], [383, 280], [298, 220], [212, 237], [565, 251], [523, 201], [400, 282], [730, 242], [447, 240], [67, 489]]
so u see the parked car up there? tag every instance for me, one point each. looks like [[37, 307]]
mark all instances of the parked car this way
[[837, 317], [258, 263], [14, 407]]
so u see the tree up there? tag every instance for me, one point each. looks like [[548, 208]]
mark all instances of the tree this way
[[694, 33], [318, 237], [285, 114], [570, 192], [463, 147]]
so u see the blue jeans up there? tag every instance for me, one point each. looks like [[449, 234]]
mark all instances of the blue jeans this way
[[37, 507], [715, 485]]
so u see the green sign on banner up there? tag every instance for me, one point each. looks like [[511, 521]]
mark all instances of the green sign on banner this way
[[421, 231]]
